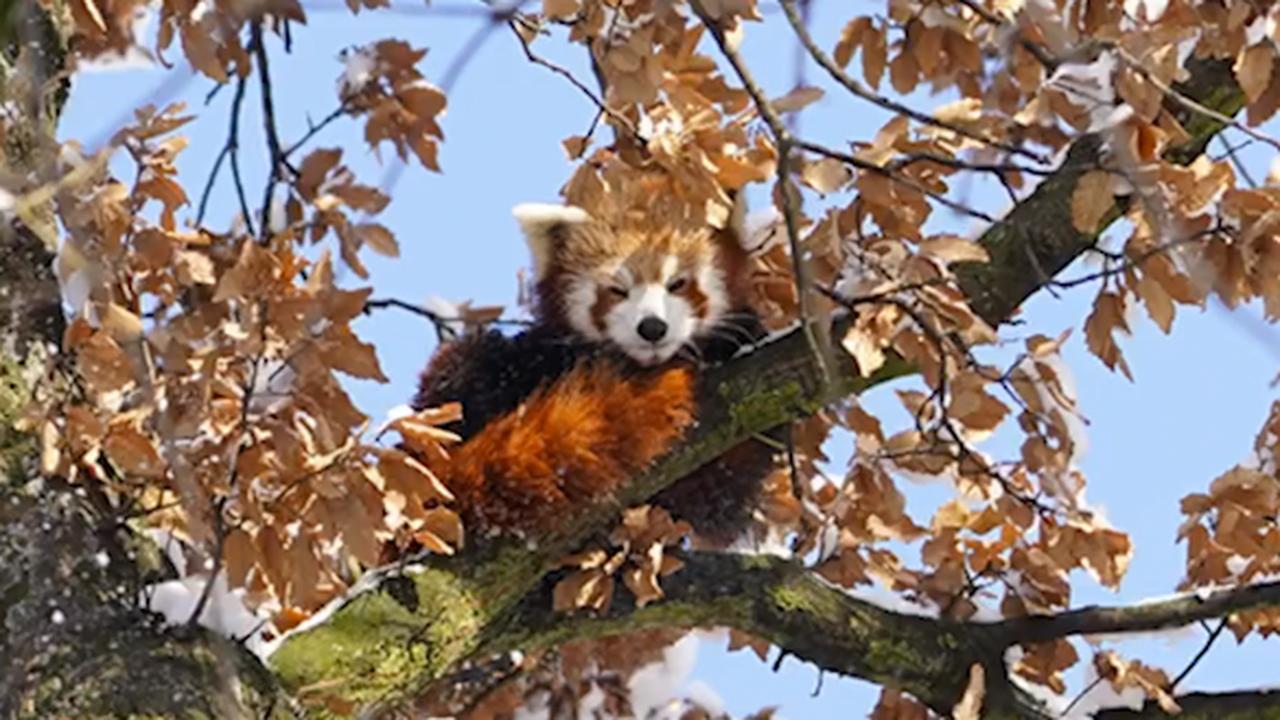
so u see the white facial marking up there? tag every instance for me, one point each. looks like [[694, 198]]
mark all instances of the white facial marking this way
[[622, 276], [579, 300], [670, 265], [711, 282], [622, 323]]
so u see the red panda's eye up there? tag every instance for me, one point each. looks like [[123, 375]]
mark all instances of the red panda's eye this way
[[618, 291], [677, 285]]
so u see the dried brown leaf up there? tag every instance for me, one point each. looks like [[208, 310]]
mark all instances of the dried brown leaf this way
[[970, 705], [1091, 200]]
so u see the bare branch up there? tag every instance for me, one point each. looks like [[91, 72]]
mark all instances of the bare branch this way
[[1038, 51], [1144, 617], [1123, 263], [314, 129], [279, 160], [819, 343], [1207, 706], [441, 323], [233, 149], [1187, 102], [599, 102], [1204, 650], [856, 162]]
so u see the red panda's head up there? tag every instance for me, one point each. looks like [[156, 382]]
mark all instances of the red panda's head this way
[[649, 291]]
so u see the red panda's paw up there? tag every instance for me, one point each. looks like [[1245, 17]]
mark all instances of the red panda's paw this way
[[567, 445]]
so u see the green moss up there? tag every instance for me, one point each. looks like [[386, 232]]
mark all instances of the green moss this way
[[753, 409], [790, 598], [16, 448], [892, 653], [378, 644]]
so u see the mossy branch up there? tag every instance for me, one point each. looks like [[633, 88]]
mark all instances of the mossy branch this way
[[1255, 705], [781, 601], [784, 603]]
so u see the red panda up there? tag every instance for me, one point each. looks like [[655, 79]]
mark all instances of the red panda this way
[[603, 382]]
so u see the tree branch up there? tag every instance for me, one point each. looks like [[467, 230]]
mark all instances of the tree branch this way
[[1256, 705], [784, 603], [1038, 239], [780, 601], [859, 90], [1176, 612]]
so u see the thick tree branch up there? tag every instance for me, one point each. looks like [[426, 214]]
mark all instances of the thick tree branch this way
[[780, 601], [1038, 239], [1175, 612], [1255, 705]]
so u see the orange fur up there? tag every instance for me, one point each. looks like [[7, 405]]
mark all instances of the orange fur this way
[[569, 443]]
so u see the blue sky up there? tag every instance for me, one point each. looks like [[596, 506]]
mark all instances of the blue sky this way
[[1198, 400]]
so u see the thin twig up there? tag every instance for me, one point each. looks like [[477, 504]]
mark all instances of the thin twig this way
[[442, 324], [785, 142], [600, 104], [870, 167], [219, 540], [208, 185], [1080, 696], [799, 61], [233, 143], [998, 169], [1137, 262], [853, 86], [1038, 51], [1186, 101], [243, 442], [276, 155], [465, 12], [1204, 650], [315, 129], [1233, 153]]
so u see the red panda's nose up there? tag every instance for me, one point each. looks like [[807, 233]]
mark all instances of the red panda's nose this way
[[652, 328]]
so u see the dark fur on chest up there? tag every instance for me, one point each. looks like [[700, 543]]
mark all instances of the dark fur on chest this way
[[491, 373]]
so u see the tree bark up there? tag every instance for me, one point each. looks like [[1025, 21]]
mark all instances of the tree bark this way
[[74, 640]]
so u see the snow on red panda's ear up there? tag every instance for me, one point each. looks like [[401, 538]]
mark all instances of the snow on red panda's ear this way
[[546, 225]]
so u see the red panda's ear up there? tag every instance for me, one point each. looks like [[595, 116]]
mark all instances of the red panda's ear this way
[[545, 226], [734, 233], [737, 225]]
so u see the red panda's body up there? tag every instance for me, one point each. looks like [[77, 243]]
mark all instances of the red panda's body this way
[[604, 381]]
